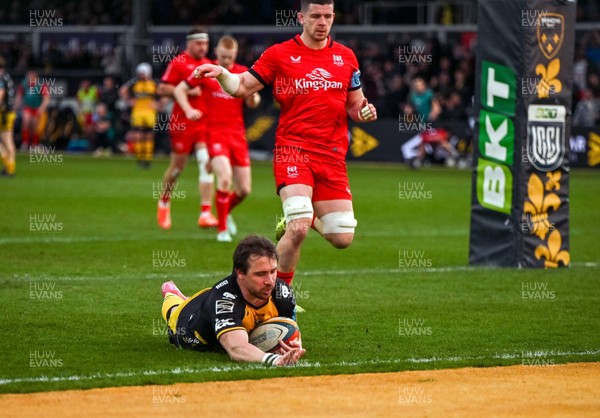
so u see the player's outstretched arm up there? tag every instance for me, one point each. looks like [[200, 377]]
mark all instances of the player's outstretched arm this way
[[238, 85], [358, 107], [239, 349], [180, 94]]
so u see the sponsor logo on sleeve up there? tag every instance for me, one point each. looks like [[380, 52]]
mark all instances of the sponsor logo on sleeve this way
[[222, 323], [228, 295], [285, 292], [224, 306], [220, 285]]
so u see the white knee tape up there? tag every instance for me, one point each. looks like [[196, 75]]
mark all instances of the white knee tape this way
[[203, 159], [338, 222], [297, 207]]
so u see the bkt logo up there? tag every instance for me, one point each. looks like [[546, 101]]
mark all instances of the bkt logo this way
[[319, 80], [546, 136]]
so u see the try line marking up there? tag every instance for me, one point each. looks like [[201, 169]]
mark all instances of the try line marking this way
[[219, 274], [302, 364]]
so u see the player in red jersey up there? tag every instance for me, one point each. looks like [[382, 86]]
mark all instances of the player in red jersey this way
[[227, 145], [317, 83], [186, 134]]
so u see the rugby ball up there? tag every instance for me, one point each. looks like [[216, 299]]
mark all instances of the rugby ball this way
[[267, 335]]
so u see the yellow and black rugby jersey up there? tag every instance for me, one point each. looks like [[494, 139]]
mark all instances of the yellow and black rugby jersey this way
[[8, 100], [144, 92], [209, 315]]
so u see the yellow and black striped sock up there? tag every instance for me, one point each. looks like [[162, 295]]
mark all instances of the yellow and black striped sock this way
[[11, 167], [148, 150], [138, 147]]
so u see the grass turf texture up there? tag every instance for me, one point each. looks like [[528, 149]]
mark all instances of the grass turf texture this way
[[102, 325]]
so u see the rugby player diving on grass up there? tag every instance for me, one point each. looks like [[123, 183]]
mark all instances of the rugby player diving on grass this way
[[317, 84], [224, 315]]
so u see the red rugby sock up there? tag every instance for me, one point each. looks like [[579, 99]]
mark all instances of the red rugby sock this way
[[286, 277], [223, 204]]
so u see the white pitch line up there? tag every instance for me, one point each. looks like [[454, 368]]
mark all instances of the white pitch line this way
[[302, 364], [220, 274], [60, 239]]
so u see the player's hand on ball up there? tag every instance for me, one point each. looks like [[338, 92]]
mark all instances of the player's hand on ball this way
[[367, 112], [208, 70], [193, 114], [291, 357], [291, 345]]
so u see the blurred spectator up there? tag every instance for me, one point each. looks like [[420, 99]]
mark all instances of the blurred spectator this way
[[587, 110], [452, 106], [395, 98], [33, 98], [422, 98], [445, 60], [109, 94], [102, 131], [87, 98]]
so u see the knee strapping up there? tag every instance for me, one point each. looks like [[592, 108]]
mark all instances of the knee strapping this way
[[297, 207], [338, 222], [203, 160]]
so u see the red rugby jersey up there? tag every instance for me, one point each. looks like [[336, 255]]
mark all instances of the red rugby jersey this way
[[178, 70], [311, 87], [223, 112]]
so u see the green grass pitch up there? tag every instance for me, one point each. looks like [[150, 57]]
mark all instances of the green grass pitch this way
[[83, 261]]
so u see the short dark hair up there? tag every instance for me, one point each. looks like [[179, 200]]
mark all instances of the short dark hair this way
[[304, 4], [252, 246], [2, 63], [197, 29]]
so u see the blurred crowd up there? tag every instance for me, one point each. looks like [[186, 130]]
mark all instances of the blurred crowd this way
[[225, 12], [422, 77], [70, 12]]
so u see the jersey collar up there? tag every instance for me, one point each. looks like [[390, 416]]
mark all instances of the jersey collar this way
[[298, 40]]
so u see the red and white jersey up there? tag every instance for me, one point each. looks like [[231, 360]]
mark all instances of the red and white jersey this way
[[223, 112], [179, 70], [311, 87]]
